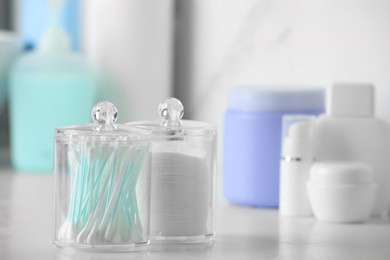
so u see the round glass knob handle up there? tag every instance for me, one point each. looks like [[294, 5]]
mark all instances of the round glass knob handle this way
[[171, 111], [104, 115]]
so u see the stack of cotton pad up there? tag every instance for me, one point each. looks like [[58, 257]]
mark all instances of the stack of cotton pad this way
[[180, 194]]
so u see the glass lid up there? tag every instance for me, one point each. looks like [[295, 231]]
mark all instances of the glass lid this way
[[104, 115], [171, 112]]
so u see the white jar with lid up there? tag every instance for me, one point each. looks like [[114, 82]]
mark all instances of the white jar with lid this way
[[341, 191]]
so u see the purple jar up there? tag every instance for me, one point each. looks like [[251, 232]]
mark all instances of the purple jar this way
[[252, 139]]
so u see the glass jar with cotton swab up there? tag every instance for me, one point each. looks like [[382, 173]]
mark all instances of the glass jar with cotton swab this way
[[102, 184]]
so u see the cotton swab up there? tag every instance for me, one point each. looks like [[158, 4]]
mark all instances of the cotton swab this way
[[103, 176], [103, 192]]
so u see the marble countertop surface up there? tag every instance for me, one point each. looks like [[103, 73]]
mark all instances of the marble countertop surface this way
[[26, 231]]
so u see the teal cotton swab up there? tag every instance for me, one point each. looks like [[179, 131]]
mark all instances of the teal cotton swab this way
[[99, 180], [114, 185], [91, 222]]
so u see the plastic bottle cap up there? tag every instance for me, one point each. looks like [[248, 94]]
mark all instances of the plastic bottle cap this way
[[297, 137], [261, 98], [347, 99], [54, 39]]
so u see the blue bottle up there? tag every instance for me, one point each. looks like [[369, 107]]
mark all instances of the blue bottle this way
[[50, 87], [252, 140]]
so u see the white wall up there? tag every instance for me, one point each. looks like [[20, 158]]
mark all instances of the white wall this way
[[232, 42], [132, 41]]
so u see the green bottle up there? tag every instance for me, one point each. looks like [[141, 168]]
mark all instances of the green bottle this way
[[50, 87]]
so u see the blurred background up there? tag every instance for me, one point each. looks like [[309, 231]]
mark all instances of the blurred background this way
[[139, 52]]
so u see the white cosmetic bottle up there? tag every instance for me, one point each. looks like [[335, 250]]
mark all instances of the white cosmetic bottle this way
[[349, 132], [295, 165]]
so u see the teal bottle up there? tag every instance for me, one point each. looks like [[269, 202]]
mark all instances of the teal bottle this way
[[50, 87]]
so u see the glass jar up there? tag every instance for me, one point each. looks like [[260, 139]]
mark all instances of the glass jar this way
[[102, 184], [183, 177]]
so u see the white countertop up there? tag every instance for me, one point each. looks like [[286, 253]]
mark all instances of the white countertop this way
[[26, 231]]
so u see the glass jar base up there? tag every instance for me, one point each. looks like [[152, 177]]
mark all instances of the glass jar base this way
[[208, 238], [118, 248]]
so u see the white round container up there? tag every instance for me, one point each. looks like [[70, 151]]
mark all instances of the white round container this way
[[341, 191]]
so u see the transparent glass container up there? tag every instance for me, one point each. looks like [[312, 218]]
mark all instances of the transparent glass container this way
[[102, 185], [183, 177]]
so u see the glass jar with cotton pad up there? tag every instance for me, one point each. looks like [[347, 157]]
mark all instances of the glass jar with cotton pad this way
[[341, 191], [102, 184], [183, 177]]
